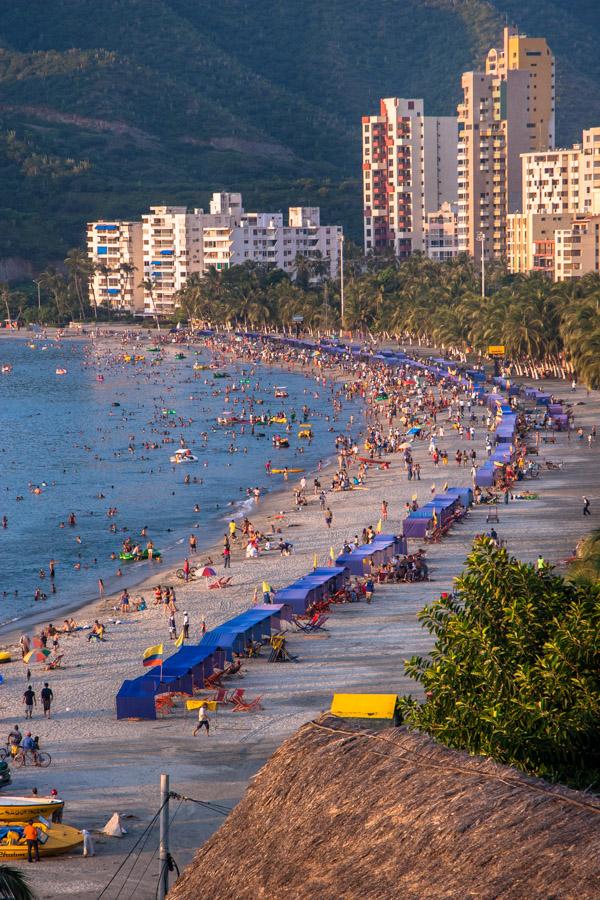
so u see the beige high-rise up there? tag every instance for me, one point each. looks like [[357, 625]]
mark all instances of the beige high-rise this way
[[506, 111]]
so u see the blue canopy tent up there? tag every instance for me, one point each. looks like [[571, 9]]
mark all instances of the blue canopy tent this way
[[464, 494], [417, 526], [298, 598], [340, 574], [357, 562], [399, 542], [135, 698]]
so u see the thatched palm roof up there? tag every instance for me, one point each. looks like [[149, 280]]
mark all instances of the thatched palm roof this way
[[344, 812]]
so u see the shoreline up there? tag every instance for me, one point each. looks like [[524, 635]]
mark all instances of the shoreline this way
[[362, 650], [90, 608]]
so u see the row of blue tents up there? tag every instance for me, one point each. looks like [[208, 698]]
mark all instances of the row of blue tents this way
[[187, 669]]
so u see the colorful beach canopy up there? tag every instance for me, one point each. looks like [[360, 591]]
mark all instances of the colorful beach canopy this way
[[38, 655], [153, 656]]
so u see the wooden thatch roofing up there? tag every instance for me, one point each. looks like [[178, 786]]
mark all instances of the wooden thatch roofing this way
[[341, 811]]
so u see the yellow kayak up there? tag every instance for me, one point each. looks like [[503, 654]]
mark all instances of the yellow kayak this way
[[282, 471], [26, 809], [278, 420], [54, 839], [5, 657]]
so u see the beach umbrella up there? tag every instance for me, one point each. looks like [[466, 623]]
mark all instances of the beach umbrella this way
[[38, 655], [208, 572]]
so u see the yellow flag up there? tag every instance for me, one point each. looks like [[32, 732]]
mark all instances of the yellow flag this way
[[435, 519], [378, 527], [266, 587], [180, 640], [315, 561], [331, 554]]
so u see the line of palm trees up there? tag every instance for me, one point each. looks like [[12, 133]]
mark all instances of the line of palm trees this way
[[540, 323]]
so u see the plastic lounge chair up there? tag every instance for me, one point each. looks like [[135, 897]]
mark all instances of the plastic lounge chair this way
[[220, 583]]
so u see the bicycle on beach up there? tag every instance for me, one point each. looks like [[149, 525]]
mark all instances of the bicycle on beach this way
[[192, 574], [21, 757]]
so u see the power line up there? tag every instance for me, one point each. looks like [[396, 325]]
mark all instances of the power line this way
[[146, 829]]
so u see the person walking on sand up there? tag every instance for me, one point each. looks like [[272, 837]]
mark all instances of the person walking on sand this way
[[328, 517], [46, 696], [186, 569], [384, 510], [586, 506], [186, 626], [203, 721], [29, 699], [226, 556], [172, 626]]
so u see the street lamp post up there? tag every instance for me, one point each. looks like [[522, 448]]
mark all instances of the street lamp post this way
[[341, 245], [481, 239]]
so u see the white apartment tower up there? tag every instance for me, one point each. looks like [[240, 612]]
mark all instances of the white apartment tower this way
[[115, 252], [409, 170], [141, 265]]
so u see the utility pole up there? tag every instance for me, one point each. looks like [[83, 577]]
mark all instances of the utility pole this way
[[163, 854], [341, 243], [481, 238]]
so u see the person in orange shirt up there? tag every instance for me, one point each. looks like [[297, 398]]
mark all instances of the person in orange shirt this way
[[30, 834]]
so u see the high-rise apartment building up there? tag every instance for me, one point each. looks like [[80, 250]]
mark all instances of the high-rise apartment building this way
[[530, 241], [564, 180], [560, 189], [265, 239], [409, 169], [173, 243], [115, 252], [141, 265], [577, 248], [506, 111]]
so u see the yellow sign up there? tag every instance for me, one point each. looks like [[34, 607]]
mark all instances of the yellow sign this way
[[496, 350]]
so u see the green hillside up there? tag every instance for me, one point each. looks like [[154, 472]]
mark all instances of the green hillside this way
[[105, 108]]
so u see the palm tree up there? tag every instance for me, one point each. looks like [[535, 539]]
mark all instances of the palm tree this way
[[148, 286], [79, 269], [14, 884]]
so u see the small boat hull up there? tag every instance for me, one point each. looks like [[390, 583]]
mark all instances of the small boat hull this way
[[59, 839], [27, 809]]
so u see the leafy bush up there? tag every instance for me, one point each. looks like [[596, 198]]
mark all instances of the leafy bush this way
[[515, 672]]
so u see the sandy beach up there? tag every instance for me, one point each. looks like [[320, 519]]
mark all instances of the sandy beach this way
[[101, 765]]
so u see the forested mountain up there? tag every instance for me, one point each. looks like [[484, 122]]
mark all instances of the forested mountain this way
[[107, 107]]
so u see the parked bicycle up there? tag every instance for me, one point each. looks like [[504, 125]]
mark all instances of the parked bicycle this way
[[192, 574]]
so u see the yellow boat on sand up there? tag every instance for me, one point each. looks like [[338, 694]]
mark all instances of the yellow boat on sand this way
[[26, 809], [53, 839]]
